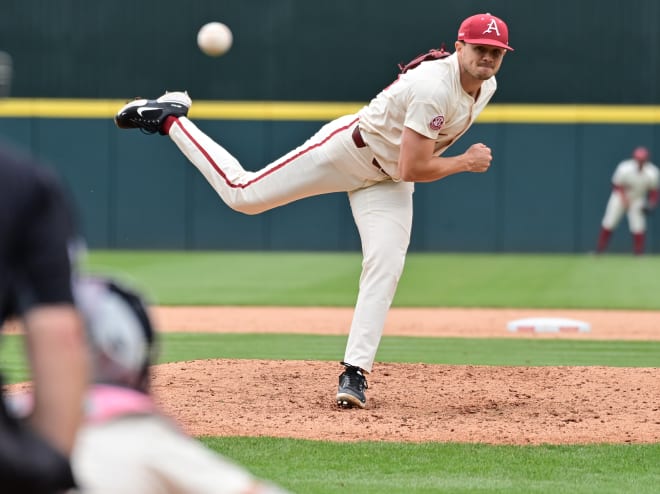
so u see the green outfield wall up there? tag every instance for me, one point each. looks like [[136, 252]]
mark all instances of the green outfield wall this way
[[567, 51], [581, 89], [545, 192]]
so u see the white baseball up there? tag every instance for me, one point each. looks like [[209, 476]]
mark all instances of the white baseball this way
[[214, 39]]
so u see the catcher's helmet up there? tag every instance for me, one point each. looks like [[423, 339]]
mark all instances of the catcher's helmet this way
[[120, 335]]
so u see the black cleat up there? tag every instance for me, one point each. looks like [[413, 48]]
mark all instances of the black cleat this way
[[148, 115], [352, 384]]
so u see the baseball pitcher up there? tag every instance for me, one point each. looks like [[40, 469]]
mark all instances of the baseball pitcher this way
[[375, 156]]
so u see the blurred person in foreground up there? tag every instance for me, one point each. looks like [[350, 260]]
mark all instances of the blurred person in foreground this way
[[126, 444], [634, 192], [36, 233]]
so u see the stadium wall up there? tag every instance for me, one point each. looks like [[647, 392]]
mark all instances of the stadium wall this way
[[580, 91], [545, 192]]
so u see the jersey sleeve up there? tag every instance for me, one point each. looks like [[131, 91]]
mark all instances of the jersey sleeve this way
[[655, 177], [426, 110], [191, 468], [45, 273], [618, 176]]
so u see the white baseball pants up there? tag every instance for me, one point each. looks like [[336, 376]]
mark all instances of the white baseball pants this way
[[615, 209], [327, 162]]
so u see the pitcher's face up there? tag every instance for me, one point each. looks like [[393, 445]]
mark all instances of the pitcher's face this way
[[480, 62]]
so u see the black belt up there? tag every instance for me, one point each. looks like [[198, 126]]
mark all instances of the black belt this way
[[359, 142]]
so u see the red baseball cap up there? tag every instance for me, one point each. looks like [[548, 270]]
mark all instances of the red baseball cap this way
[[641, 153], [485, 29]]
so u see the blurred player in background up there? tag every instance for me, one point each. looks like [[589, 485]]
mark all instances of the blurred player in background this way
[[375, 155], [635, 192], [36, 232], [127, 445]]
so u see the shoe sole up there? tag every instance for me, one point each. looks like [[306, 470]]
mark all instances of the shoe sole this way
[[346, 400], [176, 97]]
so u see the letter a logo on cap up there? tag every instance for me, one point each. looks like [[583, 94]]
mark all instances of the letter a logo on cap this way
[[485, 29], [492, 26]]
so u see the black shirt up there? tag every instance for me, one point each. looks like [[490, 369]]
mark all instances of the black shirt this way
[[36, 226]]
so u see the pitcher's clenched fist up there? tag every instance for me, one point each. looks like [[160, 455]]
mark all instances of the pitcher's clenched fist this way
[[478, 158]]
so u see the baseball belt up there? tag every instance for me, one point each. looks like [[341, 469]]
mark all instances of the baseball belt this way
[[359, 143]]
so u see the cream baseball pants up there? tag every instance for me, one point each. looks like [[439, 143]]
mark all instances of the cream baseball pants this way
[[327, 162], [614, 213]]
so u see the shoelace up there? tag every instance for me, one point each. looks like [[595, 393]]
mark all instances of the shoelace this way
[[355, 380]]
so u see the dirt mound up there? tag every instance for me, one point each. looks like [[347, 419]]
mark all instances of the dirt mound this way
[[414, 402]]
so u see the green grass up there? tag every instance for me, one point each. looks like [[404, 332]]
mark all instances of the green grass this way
[[429, 280], [313, 467], [175, 347], [468, 351]]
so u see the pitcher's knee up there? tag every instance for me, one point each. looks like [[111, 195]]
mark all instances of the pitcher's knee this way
[[249, 209], [241, 205]]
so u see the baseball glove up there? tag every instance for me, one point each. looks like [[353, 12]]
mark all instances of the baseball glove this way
[[648, 210], [430, 55]]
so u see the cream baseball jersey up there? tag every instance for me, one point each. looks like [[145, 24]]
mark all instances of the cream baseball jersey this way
[[428, 100], [636, 182]]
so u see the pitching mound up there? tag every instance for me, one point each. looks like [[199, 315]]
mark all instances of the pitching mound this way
[[414, 402]]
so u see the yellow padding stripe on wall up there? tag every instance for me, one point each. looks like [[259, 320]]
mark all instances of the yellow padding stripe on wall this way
[[322, 111]]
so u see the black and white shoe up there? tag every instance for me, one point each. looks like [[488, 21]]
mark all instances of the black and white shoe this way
[[352, 384], [149, 115]]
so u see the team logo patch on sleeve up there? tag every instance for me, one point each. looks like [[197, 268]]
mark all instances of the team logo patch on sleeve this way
[[437, 122]]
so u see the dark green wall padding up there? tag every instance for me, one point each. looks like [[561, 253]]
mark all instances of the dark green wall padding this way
[[581, 89], [587, 51], [545, 192]]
